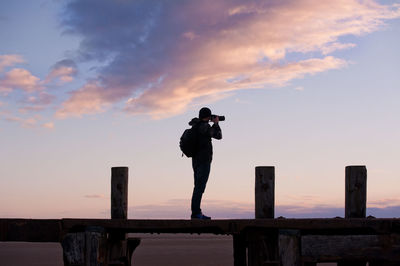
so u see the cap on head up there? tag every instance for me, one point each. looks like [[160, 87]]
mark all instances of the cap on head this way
[[204, 112]]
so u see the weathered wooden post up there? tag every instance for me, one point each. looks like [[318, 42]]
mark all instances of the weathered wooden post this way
[[120, 249], [117, 249], [355, 199], [265, 192], [93, 247], [356, 191], [84, 248], [119, 193], [262, 244]]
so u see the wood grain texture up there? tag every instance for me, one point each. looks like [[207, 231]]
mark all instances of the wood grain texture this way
[[356, 192], [119, 192], [351, 247], [289, 248], [263, 244], [265, 192], [42, 230]]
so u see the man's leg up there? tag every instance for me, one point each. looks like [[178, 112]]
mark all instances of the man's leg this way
[[201, 173]]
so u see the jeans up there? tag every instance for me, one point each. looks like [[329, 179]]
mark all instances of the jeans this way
[[201, 172]]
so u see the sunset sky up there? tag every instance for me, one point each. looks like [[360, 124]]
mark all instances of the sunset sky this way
[[306, 86]]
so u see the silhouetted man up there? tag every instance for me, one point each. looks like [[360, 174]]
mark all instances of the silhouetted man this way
[[201, 160]]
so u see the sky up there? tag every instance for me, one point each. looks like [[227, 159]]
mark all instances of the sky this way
[[307, 86]]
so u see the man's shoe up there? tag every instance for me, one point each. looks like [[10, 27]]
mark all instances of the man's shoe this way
[[200, 216]]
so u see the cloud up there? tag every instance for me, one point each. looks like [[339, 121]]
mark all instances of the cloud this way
[[37, 102], [161, 56], [95, 196], [384, 203], [91, 98], [64, 71], [26, 122], [49, 125], [34, 96], [30, 122], [8, 60], [19, 78], [336, 46]]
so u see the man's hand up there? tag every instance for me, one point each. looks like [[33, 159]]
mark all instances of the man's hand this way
[[215, 120]]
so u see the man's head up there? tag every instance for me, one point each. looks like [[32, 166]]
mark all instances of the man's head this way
[[205, 113]]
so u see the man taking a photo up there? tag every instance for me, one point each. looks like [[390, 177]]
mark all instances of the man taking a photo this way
[[202, 157]]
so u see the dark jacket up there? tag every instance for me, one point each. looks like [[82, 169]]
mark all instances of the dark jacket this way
[[205, 132]]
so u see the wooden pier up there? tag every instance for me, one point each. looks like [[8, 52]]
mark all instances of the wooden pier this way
[[353, 240]]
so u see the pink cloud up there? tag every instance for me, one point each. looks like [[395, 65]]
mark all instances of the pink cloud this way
[[91, 98], [27, 122], [336, 46], [64, 70], [9, 60], [30, 122], [180, 53], [37, 102], [384, 203], [19, 78], [95, 196], [49, 125]]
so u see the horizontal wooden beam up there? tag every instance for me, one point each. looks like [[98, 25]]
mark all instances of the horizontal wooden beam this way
[[350, 247], [30, 230], [306, 226], [37, 230]]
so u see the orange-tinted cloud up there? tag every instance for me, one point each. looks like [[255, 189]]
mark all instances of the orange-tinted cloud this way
[[179, 53], [9, 60], [91, 98], [34, 98], [19, 78], [24, 122], [49, 125], [95, 196]]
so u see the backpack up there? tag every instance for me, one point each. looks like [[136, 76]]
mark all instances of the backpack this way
[[188, 142]]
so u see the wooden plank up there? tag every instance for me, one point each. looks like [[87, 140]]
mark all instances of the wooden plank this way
[[307, 226], [84, 248], [30, 230], [74, 249], [289, 248], [262, 247], [42, 230], [350, 247]]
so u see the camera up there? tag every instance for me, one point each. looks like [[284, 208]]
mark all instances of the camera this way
[[220, 117]]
